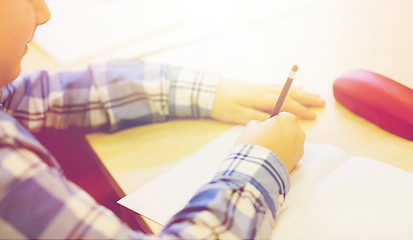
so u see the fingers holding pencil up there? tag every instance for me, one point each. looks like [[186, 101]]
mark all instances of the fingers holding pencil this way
[[239, 102]]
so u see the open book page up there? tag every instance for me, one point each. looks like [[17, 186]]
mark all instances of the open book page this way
[[165, 195], [361, 199]]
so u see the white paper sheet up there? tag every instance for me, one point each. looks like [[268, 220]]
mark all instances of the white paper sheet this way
[[164, 196]]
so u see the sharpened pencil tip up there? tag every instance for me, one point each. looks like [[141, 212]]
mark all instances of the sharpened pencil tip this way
[[295, 68]]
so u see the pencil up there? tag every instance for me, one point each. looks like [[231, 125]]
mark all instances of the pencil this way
[[284, 91]]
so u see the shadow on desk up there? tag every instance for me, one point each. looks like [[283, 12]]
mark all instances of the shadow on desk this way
[[82, 166]]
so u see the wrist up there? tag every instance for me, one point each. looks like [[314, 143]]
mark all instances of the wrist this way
[[260, 167], [191, 93]]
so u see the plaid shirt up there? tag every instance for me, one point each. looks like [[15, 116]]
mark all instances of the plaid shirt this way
[[37, 201]]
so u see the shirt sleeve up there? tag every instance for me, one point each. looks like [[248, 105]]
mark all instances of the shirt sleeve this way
[[241, 202], [38, 202], [111, 96]]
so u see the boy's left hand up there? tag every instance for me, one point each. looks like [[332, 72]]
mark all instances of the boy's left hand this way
[[240, 102]]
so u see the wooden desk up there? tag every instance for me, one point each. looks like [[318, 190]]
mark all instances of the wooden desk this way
[[326, 39]]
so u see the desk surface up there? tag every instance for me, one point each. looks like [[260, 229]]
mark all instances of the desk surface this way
[[325, 38]]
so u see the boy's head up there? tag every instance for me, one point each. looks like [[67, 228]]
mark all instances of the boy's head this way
[[18, 22]]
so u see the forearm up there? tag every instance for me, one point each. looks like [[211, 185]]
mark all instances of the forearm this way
[[242, 200], [111, 96]]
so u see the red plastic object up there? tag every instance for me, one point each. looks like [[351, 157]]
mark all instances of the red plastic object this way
[[378, 99]]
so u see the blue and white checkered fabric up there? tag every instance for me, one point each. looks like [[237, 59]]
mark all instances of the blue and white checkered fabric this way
[[36, 199]]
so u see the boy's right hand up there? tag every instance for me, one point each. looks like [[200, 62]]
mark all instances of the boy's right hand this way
[[280, 134]]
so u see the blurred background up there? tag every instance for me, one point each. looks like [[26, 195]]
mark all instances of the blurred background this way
[[80, 29], [247, 40]]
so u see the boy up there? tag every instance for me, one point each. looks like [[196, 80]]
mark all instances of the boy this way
[[36, 199]]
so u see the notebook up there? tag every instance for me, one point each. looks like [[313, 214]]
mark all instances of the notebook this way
[[332, 195]]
